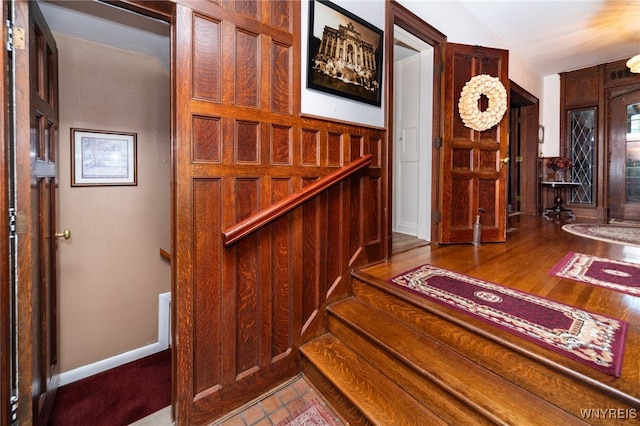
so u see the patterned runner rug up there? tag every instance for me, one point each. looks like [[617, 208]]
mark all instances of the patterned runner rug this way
[[311, 414], [619, 234], [613, 274], [593, 339]]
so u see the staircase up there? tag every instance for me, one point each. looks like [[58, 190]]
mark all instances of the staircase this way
[[392, 358]]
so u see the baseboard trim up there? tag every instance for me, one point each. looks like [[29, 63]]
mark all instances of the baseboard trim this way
[[164, 341], [109, 363]]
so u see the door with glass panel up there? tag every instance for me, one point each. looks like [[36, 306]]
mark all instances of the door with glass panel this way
[[624, 157]]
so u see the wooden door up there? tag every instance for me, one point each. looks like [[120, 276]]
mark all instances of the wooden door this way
[[36, 151], [473, 175], [7, 246], [624, 157]]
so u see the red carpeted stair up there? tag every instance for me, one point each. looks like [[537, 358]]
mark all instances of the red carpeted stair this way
[[118, 396]]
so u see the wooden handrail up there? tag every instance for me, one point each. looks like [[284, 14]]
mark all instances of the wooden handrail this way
[[254, 222], [165, 255]]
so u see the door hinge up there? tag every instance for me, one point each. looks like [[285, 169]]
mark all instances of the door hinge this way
[[438, 68], [14, 409], [437, 216], [437, 142], [12, 222], [15, 37]]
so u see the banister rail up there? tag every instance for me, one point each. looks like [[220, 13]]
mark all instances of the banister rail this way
[[254, 222]]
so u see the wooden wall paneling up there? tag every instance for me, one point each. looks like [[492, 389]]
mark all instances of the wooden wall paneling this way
[[241, 146], [207, 306], [579, 89]]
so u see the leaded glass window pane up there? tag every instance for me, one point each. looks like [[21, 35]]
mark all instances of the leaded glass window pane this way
[[632, 181], [582, 152]]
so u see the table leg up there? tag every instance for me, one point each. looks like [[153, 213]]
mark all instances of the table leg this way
[[558, 208]]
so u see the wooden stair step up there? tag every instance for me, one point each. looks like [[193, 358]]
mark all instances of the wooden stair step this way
[[493, 396], [555, 383], [377, 397]]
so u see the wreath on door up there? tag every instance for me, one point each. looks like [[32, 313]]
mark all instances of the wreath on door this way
[[471, 115]]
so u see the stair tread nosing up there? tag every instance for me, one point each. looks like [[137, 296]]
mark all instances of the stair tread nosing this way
[[375, 395], [548, 379], [462, 377]]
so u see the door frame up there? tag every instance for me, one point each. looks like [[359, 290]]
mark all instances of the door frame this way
[[529, 106], [411, 23], [423, 57], [21, 182], [611, 95], [6, 368]]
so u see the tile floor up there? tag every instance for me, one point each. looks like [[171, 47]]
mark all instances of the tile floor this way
[[272, 408]]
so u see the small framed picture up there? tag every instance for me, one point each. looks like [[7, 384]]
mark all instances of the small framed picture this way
[[345, 54], [101, 158]]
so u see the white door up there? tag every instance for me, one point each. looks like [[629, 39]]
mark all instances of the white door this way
[[413, 76]]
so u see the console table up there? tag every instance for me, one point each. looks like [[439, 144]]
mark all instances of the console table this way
[[558, 208]]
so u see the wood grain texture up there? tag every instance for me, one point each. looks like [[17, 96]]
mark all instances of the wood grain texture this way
[[462, 369], [241, 147], [471, 167], [523, 263], [385, 402]]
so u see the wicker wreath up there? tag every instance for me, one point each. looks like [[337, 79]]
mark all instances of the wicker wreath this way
[[471, 115]]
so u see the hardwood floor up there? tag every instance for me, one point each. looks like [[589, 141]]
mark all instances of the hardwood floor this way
[[524, 261], [404, 242]]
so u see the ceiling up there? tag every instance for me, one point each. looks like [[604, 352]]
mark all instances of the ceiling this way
[[555, 36], [551, 35]]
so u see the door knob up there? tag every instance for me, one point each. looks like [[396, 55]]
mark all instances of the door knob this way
[[505, 160], [66, 234]]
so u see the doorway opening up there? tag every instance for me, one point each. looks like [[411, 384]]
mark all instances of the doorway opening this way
[[412, 135], [114, 76], [624, 158], [522, 183]]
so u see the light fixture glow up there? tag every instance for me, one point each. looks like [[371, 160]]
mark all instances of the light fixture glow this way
[[634, 64]]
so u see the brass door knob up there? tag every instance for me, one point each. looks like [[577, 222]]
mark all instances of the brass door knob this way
[[505, 160], [66, 234]]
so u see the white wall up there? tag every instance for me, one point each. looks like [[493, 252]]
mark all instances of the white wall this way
[[456, 22], [551, 116], [322, 104], [460, 26]]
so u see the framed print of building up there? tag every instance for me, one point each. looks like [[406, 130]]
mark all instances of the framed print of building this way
[[345, 54]]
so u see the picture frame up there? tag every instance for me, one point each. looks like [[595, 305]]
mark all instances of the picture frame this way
[[103, 158], [344, 54]]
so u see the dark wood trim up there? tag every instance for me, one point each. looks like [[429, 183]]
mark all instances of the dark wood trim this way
[[256, 221], [402, 17], [163, 10], [165, 255], [529, 107], [5, 293]]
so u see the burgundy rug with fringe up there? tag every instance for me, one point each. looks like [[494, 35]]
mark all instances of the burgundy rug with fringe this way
[[614, 274], [313, 413], [593, 339], [116, 397]]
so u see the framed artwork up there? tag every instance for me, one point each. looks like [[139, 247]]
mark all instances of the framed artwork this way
[[100, 158], [344, 54]]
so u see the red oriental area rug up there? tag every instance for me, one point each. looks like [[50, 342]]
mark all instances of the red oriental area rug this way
[[593, 339], [311, 414], [613, 274]]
